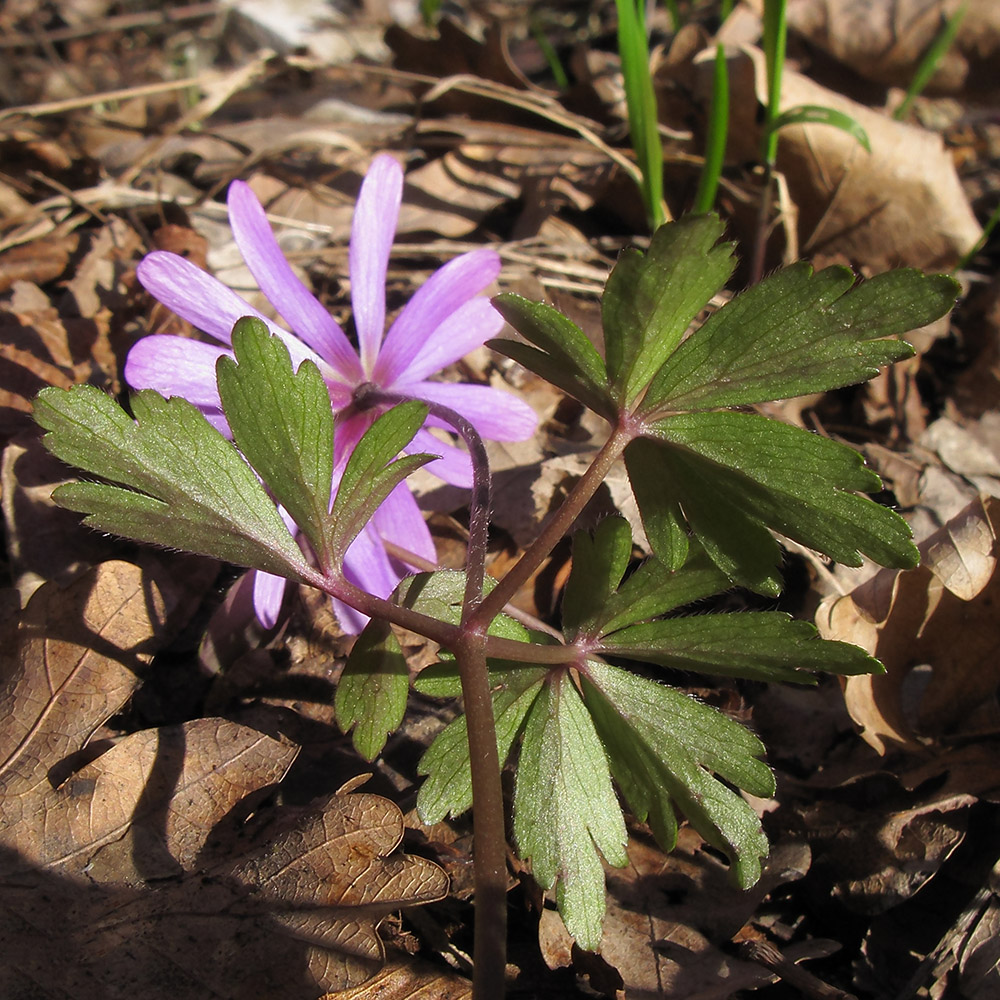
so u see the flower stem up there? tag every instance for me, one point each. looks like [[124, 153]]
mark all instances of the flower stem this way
[[488, 823], [554, 528], [479, 503]]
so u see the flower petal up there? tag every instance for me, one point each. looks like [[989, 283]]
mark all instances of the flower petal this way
[[208, 304], [368, 566], [497, 415], [347, 433], [372, 232], [299, 307], [399, 520], [453, 465], [467, 328], [175, 366], [415, 330], [268, 593]]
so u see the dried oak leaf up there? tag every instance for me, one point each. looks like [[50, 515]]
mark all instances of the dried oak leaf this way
[[128, 869], [900, 205], [669, 919], [885, 40]]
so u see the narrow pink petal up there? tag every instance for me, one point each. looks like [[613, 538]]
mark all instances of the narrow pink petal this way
[[453, 465], [497, 415], [175, 366], [306, 316], [447, 290], [205, 302], [268, 593], [367, 565], [399, 520], [346, 435], [351, 622], [372, 232], [467, 328]]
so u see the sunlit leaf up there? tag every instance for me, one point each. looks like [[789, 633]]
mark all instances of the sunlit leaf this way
[[562, 353], [182, 484], [795, 333], [371, 692], [817, 114], [736, 474], [565, 810], [651, 298], [373, 471], [283, 423], [666, 747], [448, 788]]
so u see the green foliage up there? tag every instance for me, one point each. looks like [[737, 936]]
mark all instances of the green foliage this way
[[562, 353], [932, 57], [734, 475], [775, 27], [182, 484], [664, 746], [371, 693], [816, 114], [565, 809], [293, 456], [730, 479], [373, 471], [640, 100], [650, 299], [666, 751], [715, 141], [174, 480], [448, 788]]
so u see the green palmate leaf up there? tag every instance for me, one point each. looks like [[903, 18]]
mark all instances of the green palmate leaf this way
[[797, 332], [736, 474], [448, 788], [599, 563], [763, 645], [372, 473], [183, 485], [562, 353], [817, 114], [283, 424], [654, 589], [439, 595], [664, 746], [565, 809], [650, 299], [371, 693]]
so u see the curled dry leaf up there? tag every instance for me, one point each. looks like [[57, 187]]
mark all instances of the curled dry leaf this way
[[885, 40], [135, 868], [900, 205], [935, 688], [670, 918]]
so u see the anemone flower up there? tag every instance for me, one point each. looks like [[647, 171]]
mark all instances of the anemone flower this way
[[445, 319]]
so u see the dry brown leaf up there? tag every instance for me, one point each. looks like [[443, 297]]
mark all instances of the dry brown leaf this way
[[877, 845], [39, 262], [900, 205], [953, 693], [668, 915], [97, 279], [138, 865], [41, 347], [43, 540], [884, 40]]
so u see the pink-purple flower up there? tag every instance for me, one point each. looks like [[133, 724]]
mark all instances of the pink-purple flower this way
[[445, 319]]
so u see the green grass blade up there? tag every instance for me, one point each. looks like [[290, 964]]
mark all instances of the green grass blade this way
[[930, 61], [715, 142]]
